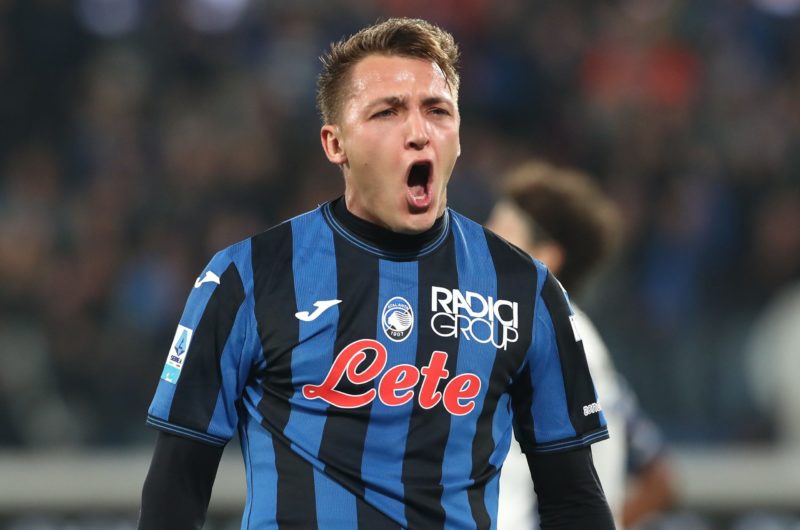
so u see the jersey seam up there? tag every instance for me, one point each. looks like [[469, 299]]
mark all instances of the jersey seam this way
[[248, 475], [185, 432], [322, 468], [565, 444]]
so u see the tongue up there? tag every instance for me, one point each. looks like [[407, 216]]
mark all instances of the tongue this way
[[418, 196], [417, 191], [418, 187]]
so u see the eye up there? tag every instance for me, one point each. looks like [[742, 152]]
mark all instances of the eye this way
[[439, 111], [383, 113]]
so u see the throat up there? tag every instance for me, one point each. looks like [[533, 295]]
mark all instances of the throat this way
[[381, 237]]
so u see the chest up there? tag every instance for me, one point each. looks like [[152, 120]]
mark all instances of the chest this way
[[371, 330]]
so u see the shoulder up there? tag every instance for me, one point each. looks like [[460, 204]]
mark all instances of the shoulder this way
[[285, 232], [507, 256], [282, 232], [508, 260], [266, 254], [601, 365], [260, 250]]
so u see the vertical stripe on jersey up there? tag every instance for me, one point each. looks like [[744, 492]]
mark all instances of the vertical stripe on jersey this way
[[198, 387], [383, 463], [260, 509], [521, 392], [369, 518], [336, 506], [516, 281], [315, 280], [314, 270], [340, 505], [429, 429], [476, 274], [273, 283], [577, 382], [345, 431]]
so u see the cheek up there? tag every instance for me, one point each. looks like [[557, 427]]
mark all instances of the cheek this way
[[450, 140], [373, 146], [452, 151]]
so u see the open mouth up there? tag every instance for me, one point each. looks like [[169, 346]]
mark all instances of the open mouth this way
[[418, 182]]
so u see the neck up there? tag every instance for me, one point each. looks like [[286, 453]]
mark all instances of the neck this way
[[382, 237]]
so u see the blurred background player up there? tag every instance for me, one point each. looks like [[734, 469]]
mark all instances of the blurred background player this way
[[560, 217]]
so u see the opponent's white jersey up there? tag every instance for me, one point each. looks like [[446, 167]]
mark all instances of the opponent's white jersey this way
[[517, 507]]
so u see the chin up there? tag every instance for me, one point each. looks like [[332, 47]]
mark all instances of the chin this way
[[418, 223]]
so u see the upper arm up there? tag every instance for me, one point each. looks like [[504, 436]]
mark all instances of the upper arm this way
[[210, 357], [553, 397]]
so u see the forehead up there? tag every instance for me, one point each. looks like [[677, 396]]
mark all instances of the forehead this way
[[391, 75]]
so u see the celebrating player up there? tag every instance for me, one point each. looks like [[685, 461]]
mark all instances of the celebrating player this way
[[375, 352]]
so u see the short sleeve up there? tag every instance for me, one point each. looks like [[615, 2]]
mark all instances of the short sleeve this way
[[554, 401], [206, 369]]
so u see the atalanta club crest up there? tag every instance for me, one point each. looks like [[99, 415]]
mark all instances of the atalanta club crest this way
[[397, 319]]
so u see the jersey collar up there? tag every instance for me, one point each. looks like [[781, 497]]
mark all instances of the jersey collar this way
[[381, 241]]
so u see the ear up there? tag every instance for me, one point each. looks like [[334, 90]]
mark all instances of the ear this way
[[330, 136]]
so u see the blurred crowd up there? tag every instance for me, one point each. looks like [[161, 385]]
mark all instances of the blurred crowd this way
[[139, 137]]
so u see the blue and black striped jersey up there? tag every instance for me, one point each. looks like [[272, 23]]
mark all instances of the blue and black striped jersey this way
[[375, 379]]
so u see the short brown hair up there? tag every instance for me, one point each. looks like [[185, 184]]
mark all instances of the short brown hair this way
[[571, 209], [406, 37]]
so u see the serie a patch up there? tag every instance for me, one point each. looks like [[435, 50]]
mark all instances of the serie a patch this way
[[177, 355]]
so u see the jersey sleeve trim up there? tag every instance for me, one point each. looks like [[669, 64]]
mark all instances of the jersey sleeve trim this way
[[572, 443], [184, 432]]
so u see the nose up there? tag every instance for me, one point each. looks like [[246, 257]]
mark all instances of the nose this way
[[417, 136]]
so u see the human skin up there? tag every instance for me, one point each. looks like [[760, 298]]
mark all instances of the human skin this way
[[399, 112]]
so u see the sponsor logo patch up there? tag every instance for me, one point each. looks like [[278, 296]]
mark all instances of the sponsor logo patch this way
[[591, 408], [177, 354], [320, 305], [209, 277], [479, 318], [397, 319], [397, 385]]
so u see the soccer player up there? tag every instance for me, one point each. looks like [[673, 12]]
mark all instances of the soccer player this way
[[561, 217], [375, 352]]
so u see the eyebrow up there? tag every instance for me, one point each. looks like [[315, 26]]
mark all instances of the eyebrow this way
[[397, 101], [394, 101], [436, 100]]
